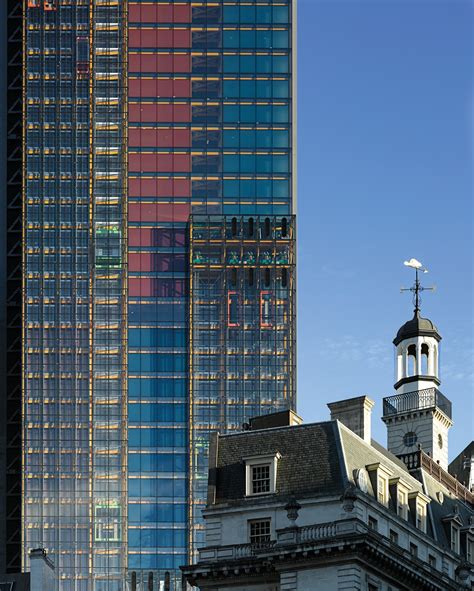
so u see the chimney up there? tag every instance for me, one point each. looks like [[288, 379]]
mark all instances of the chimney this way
[[284, 418], [355, 414], [41, 571]]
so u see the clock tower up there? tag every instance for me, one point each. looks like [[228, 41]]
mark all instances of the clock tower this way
[[418, 415]]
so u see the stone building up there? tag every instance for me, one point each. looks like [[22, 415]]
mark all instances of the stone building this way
[[322, 506]]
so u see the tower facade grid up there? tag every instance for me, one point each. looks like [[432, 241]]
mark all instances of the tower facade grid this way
[[159, 268]]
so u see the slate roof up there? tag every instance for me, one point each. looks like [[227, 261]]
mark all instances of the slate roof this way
[[319, 459], [442, 509], [310, 464], [358, 453]]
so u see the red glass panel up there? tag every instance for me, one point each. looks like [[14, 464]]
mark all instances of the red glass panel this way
[[159, 162], [161, 88], [158, 212], [182, 13], [159, 13], [140, 286], [160, 38], [145, 187], [159, 62]]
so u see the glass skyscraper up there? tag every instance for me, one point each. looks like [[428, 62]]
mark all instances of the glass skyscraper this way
[[158, 268]]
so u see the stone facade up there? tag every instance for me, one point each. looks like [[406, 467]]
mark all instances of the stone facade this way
[[331, 527]]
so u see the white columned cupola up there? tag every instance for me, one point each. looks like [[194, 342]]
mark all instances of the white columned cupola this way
[[417, 355], [418, 415]]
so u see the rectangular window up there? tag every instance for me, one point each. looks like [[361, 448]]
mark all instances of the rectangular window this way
[[432, 560], [455, 538], [372, 522], [266, 309], [393, 536], [233, 305], [260, 479], [413, 549], [259, 531], [470, 550], [421, 516], [382, 490]]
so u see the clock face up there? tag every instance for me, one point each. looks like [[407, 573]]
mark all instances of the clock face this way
[[362, 479]]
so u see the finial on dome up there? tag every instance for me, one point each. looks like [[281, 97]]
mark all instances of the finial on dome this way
[[417, 288]]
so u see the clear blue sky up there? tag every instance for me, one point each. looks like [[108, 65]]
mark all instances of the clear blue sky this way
[[385, 122]]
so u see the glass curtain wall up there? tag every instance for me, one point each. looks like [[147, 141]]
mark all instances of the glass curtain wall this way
[[108, 292], [242, 333], [56, 295], [210, 133]]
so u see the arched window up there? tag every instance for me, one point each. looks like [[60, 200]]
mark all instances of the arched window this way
[[234, 227], [250, 228], [435, 360], [425, 351], [267, 228], [411, 360], [400, 369]]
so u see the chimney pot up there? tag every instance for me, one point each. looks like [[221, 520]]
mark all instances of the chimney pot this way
[[355, 414]]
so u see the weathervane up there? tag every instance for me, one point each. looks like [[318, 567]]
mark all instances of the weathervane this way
[[417, 287]]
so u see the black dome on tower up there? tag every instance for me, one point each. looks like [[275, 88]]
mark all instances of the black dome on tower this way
[[417, 326]]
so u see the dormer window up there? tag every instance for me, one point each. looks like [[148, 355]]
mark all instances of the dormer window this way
[[455, 537], [399, 493], [418, 503], [261, 481], [379, 476], [260, 474]]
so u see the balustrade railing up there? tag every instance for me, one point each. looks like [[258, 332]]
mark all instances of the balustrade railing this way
[[419, 399], [419, 459], [316, 532], [302, 535]]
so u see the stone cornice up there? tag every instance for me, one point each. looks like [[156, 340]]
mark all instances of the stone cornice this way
[[350, 539]]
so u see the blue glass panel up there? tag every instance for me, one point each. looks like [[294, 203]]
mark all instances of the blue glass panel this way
[[156, 337], [159, 413], [280, 114], [281, 64], [280, 14], [231, 63], [263, 14], [231, 89], [153, 561], [156, 437], [156, 388], [280, 89], [231, 14], [230, 39], [149, 313], [247, 64], [156, 362], [153, 538], [156, 487], [280, 39], [153, 512], [231, 113], [157, 462]]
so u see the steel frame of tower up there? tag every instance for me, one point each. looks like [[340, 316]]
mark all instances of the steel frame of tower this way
[[242, 334], [11, 418]]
